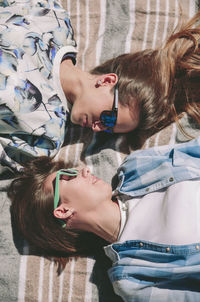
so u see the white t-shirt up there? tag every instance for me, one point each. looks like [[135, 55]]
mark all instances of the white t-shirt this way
[[168, 216]]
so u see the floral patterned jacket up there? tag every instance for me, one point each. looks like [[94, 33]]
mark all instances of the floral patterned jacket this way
[[34, 37]]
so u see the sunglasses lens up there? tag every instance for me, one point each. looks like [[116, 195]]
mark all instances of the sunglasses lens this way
[[70, 172], [67, 177], [108, 118]]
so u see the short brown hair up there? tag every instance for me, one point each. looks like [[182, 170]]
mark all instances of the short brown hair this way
[[32, 213]]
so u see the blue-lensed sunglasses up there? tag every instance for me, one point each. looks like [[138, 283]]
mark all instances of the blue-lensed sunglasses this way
[[108, 118]]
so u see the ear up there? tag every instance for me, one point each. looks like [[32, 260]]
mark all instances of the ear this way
[[63, 212], [107, 79]]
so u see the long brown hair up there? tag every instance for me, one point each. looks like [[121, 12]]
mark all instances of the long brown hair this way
[[165, 82], [32, 213]]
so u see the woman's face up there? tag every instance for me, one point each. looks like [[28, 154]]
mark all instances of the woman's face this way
[[83, 192], [87, 108]]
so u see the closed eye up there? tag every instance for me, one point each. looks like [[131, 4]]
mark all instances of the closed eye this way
[[67, 177]]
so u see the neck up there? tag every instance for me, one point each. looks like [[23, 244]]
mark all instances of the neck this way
[[75, 81], [70, 79], [104, 222], [108, 227]]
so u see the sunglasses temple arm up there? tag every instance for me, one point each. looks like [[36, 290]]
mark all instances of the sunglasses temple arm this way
[[116, 97], [56, 198]]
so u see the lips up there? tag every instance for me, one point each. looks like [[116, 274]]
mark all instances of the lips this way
[[85, 122]]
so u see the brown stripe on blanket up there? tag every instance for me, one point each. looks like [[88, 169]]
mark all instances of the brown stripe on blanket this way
[[77, 140], [73, 281], [154, 23], [91, 25], [44, 284], [79, 279], [162, 138], [86, 25], [32, 277]]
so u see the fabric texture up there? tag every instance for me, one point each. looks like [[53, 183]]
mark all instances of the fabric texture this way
[[33, 108], [147, 272], [146, 171]]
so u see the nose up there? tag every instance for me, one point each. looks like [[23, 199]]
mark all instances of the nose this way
[[73, 119], [75, 115], [85, 171]]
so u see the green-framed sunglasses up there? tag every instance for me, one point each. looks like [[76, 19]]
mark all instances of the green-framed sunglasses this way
[[68, 172]]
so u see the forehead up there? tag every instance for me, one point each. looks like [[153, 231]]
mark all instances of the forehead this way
[[48, 184]]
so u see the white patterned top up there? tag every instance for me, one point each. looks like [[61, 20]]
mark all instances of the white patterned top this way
[[34, 37]]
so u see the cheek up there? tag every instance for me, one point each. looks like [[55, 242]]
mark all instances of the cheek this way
[[103, 190], [127, 120], [95, 194], [84, 196], [125, 126]]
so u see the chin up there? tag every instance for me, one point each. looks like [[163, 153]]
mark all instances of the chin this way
[[123, 130], [107, 187]]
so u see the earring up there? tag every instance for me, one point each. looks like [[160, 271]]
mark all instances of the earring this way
[[99, 82], [72, 212]]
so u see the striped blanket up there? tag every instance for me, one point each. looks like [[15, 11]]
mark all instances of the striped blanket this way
[[103, 29]]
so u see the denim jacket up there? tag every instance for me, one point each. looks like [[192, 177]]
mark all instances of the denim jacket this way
[[145, 271]]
